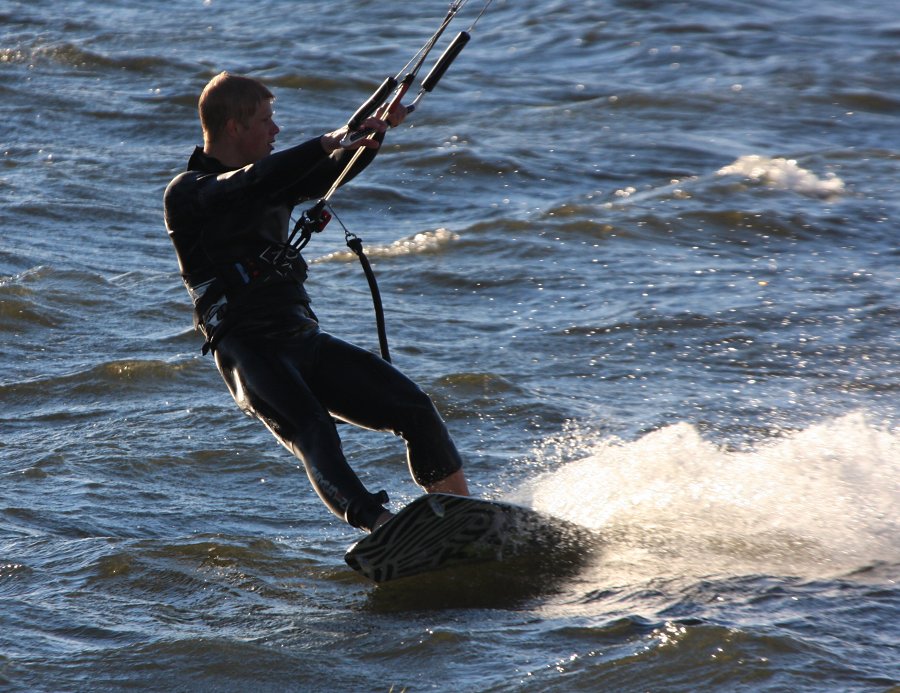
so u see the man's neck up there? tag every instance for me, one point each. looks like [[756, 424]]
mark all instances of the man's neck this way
[[224, 154]]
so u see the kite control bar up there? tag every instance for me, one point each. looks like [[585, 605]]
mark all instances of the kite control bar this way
[[379, 100], [440, 67], [379, 97]]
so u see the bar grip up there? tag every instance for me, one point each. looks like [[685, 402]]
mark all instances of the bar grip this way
[[368, 108], [448, 56]]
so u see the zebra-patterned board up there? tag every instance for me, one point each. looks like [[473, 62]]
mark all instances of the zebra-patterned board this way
[[440, 530]]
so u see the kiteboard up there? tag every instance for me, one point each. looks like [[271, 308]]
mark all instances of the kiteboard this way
[[440, 531]]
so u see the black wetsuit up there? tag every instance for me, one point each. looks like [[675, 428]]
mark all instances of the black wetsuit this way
[[228, 228]]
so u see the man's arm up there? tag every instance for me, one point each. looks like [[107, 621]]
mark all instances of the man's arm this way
[[320, 179]]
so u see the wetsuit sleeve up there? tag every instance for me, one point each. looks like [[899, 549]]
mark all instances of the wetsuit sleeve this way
[[286, 177], [319, 179], [198, 199], [281, 177]]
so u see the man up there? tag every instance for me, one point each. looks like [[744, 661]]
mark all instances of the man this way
[[228, 217]]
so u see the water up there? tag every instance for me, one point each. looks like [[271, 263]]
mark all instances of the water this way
[[644, 257]]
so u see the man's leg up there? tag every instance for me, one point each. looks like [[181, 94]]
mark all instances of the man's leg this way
[[264, 382], [365, 390], [455, 483]]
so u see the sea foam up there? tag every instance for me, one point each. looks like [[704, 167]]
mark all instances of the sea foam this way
[[784, 174]]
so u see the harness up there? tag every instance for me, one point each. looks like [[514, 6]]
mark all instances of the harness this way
[[234, 281]]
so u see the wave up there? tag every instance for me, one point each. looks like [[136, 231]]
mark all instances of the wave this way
[[773, 172], [784, 174], [70, 54], [423, 243], [136, 374]]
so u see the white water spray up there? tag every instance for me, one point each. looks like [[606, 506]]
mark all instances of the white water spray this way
[[819, 502]]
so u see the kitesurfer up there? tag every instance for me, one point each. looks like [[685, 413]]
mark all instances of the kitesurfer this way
[[228, 216]]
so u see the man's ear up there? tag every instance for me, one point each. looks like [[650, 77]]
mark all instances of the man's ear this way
[[232, 127]]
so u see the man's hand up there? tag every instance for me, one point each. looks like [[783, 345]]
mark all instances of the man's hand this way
[[397, 115], [342, 138]]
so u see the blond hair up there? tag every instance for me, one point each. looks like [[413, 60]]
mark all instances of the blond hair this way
[[228, 96]]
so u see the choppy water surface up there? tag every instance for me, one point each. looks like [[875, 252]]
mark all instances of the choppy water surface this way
[[643, 255]]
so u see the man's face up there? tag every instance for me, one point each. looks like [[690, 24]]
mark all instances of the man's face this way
[[256, 137]]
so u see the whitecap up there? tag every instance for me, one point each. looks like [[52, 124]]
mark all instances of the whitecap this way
[[418, 244], [784, 174]]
